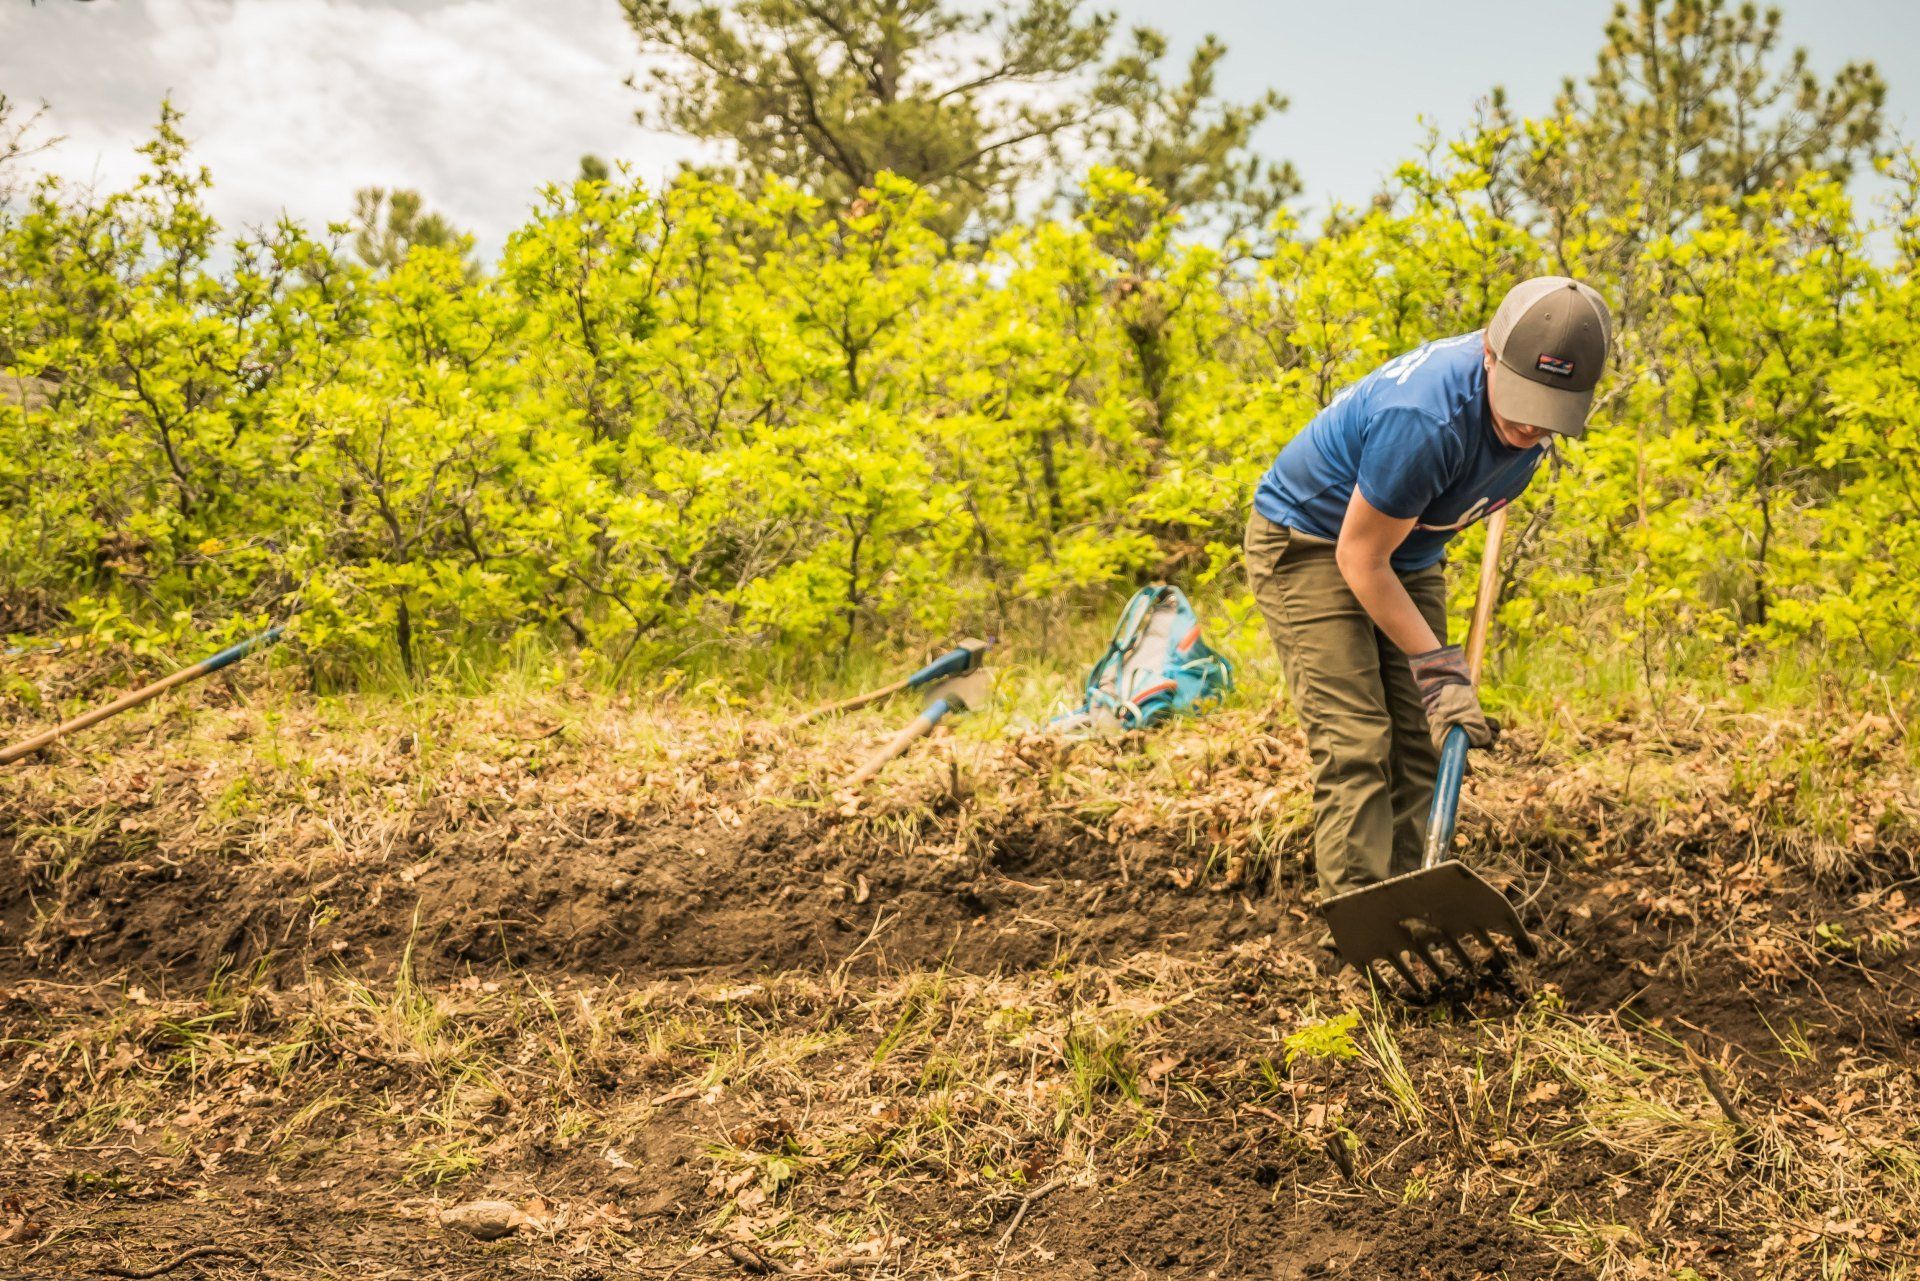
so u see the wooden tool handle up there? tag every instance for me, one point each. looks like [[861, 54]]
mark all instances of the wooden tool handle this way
[[1483, 601], [964, 658], [225, 658], [899, 743], [855, 703], [1445, 812]]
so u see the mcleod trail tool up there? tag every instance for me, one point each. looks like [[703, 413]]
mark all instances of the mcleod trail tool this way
[[966, 657], [956, 695], [1403, 918], [206, 666]]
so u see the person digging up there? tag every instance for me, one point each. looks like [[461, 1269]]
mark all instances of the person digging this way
[[1346, 544]]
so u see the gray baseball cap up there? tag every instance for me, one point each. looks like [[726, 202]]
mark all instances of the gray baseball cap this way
[[1551, 337]]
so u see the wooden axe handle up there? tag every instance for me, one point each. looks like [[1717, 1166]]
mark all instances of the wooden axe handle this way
[[899, 743], [855, 703]]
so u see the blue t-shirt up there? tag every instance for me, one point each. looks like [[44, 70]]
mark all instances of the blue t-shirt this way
[[1416, 438]]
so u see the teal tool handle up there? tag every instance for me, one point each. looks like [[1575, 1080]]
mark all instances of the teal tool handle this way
[[1446, 798], [952, 663], [234, 653]]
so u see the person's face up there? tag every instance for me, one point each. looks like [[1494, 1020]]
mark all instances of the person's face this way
[[1512, 434]]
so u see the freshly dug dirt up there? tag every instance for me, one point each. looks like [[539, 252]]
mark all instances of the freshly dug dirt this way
[[295, 993], [587, 889]]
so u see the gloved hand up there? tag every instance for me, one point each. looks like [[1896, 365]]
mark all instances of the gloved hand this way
[[1450, 697]]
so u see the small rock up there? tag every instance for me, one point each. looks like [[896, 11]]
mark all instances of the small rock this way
[[484, 1220]]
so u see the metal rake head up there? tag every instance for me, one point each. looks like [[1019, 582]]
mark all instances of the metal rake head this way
[[1402, 921]]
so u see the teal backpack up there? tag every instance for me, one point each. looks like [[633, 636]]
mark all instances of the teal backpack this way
[[1155, 666]]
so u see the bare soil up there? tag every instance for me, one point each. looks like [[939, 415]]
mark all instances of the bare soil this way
[[1027, 1010]]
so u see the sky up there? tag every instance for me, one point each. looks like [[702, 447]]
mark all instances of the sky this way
[[295, 104]]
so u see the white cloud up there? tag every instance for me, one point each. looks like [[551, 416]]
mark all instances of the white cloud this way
[[293, 104]]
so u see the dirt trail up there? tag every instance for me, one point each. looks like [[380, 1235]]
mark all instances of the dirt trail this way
[[598, 892]]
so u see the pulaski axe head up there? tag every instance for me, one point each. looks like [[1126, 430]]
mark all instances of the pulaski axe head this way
[[968, 692]]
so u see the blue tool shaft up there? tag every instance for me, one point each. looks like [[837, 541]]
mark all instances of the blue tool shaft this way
[[951, 663], [1445, 812], [955, 662], [234, 653]]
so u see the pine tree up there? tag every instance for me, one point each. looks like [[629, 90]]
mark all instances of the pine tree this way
[[829, 93], [1193, 148], [390, 223], [972, 105], [1690, 104]]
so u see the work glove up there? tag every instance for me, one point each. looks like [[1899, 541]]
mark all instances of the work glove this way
[[1450, 697]]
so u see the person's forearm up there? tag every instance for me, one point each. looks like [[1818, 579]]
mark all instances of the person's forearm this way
[[1384, 597]]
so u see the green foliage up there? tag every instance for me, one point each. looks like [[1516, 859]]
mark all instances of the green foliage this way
[[1324, 1039], [704, 417], [831, 95]]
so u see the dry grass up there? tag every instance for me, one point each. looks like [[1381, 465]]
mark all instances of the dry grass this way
[[871, 1108], [826, 1116]]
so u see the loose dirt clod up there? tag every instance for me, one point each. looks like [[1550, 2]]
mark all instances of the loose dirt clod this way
[[484, 1220]]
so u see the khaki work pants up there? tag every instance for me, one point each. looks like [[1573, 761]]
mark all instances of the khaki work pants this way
[[1373, 763]]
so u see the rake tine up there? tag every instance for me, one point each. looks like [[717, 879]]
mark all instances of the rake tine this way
[[1460, 953], [1433, 962], [1521, 940], [1406, 972], [1374, 980]]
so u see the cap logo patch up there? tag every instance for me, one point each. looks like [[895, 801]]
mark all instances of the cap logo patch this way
[[1558, 366]]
